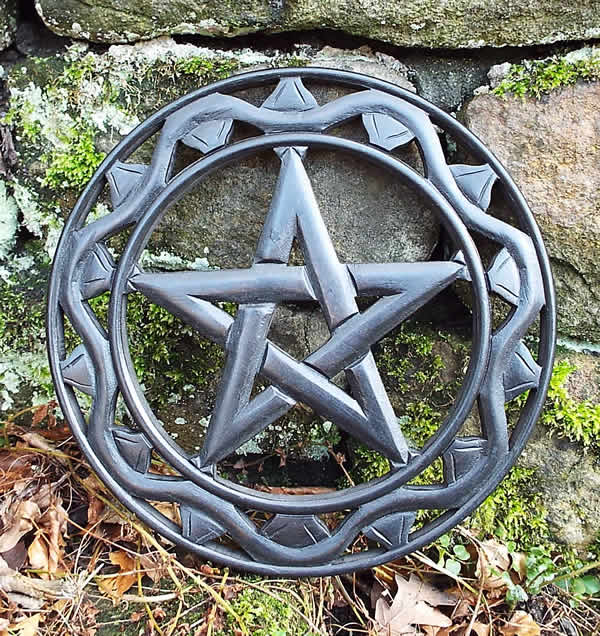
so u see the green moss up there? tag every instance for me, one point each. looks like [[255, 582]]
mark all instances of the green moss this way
[[22, 312], [534, 78], [267, 615], [209, 70], [72, 164], [167, 354], [368, 464], [566, 417], [515, 511]]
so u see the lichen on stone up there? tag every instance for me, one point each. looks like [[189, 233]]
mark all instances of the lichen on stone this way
[[8, 221]]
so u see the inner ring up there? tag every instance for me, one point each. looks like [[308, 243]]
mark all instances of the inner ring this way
[[143, 414]]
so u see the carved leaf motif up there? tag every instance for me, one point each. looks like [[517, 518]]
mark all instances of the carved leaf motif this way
[[135, 448], [290, 95], [78, 371], [198, 527], [209, 135], [385, 131], [523, 373], [295, 531], [123, 178], [392, 530], [475, 182], [504, 277], [462, 456], [97, 272]]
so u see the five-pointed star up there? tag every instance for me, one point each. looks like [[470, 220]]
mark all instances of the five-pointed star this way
[[366, 413]]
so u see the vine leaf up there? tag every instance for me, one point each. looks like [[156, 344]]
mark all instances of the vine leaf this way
[[123, 178], [97, 272], [523, 373], [295, 531], [504, 278], [290, 95], [78, 371], [209, 135], [475, 182], [385, 131], [392, 530], [462, 456], [198, 527], [135, 448]]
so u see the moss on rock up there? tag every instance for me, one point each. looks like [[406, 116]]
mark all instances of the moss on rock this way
[[452, 24]]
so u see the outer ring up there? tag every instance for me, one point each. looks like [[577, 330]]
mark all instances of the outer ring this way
[[522, 430]]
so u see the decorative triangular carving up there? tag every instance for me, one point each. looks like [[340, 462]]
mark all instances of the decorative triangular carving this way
[[475, 182], [290, 95], [385, 131], [503, 276], [123, 178], [198, 527], [78, 371], [392, 530], [135, 448], [209, 135], [462, 456], [523, 373], [295, 531], [97, 272]]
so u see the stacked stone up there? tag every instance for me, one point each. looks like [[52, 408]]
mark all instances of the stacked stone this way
[[549, 143]]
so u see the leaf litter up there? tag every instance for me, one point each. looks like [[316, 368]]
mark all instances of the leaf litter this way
[[68, 551]]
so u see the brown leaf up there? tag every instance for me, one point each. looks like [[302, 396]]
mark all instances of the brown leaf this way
[[410, 607], [425, 591], [521, 624], [153, 566], [30, 626], [492, 562], [38, 554], [170, 510], [15, 557], [295, 490], [115, 586], [46, 551], [40, 414], [481, 629], [18, 520], [519, 564]]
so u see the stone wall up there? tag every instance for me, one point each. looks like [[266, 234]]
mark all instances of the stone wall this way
[[523, 76]]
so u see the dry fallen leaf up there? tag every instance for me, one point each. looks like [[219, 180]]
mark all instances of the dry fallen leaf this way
[[46, 549], [519, 564], [492, 562], [115, 586], [412, 606], [170, 510], [481, 629], [18, 518], [521, 624], [30, 626]]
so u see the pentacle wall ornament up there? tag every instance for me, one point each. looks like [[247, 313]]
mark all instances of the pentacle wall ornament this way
[[375, 521]]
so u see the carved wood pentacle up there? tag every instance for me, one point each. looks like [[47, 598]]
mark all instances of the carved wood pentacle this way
[[358, 525]]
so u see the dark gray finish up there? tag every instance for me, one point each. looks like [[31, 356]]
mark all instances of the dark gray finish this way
[[295, 541]]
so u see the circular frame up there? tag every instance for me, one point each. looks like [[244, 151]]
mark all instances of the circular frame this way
[[69, 256]]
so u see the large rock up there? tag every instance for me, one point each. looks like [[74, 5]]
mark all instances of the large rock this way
[[450, 24], [8, 22], [567, 477], [551, 147]]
